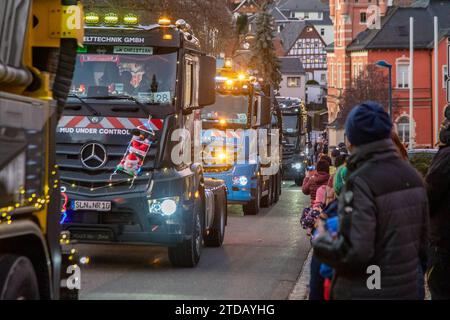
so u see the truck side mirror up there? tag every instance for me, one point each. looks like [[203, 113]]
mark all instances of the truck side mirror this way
[[207, 81]]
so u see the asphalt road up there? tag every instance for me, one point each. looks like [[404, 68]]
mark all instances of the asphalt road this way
[[261, 258]]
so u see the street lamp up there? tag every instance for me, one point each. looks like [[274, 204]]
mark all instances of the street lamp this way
[[384, 64]]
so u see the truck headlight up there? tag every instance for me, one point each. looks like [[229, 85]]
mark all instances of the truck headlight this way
[[297, 166], [241, 180], [164, 206]]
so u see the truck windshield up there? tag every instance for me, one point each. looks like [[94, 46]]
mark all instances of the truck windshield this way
[[145, 73], [229, 108], [290, 123]]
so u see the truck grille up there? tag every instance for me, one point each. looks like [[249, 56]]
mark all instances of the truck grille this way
[[73, 172]]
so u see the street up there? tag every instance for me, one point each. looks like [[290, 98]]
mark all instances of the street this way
[[261, 258]]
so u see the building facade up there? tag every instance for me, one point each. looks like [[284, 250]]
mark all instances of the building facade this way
[[300, 39], [356, 46], [316, 12], [293, 83]]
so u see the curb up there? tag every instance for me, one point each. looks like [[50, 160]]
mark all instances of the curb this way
[[301, 288]]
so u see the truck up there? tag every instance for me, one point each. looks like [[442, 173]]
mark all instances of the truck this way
[[242, 106], [295, 158], [38, 41], [137, 92]]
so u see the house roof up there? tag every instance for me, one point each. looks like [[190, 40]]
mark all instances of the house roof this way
[[277, 14], [394, 31], [243, 2], [291, 65], [303, 5], [290, 33]]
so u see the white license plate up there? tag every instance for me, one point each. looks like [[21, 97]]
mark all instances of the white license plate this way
[[92, 205]]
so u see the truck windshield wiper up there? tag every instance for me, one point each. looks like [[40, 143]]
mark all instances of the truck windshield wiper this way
[[122, 97], [84, 103]]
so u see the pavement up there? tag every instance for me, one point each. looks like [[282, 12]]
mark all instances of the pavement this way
[[262, 258]]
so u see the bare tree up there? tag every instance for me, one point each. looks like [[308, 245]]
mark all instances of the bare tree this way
[[210, 20], [371, 84]]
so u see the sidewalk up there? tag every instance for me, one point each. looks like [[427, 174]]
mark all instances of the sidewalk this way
[[301, 289]]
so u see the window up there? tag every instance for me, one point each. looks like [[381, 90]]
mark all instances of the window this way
[[362, 17], [444, 73], [319, 15], [332, 74], [403, 74], [323, 77], [293, 82], [306, 15], [322, 31], [339, 76], [403, 129]]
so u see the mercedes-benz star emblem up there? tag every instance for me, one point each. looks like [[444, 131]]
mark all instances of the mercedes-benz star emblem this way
[[93, 155]]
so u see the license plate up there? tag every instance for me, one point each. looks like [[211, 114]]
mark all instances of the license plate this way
[[91, 235], [91, 205]]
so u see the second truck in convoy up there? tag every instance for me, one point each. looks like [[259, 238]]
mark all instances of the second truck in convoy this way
[[133, 88], [240, 107]]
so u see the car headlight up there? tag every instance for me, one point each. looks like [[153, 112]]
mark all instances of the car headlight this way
[[241, 180], [163, 206], [297, 166]]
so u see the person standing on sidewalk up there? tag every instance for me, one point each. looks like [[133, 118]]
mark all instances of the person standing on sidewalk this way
[[438, 186], [383, 211], [311, 184]]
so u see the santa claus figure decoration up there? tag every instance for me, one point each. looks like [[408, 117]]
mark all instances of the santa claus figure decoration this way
[[136, 152]]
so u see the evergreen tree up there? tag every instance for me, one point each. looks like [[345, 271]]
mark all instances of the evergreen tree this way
[[263, 57]]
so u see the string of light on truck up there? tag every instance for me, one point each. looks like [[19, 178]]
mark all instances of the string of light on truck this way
[[34, 200]]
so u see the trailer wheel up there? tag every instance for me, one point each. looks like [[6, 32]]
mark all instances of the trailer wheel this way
[[187, 254], [217, 233], [18, 279], [252, 208]]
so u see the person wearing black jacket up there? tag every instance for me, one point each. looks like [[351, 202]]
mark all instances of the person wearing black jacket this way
[[438, 187], [383, 211]]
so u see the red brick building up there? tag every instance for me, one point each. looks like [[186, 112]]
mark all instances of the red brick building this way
[[356, 46]]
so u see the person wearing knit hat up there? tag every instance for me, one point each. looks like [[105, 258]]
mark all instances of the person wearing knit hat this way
[[438, 182], [366, 123], [383, 210]]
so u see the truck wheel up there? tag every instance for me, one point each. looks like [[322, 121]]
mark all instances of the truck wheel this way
[[277, 183], [18, 280], [266, 201], [252, 208], [187, 254], [299, 181], [217, 233]]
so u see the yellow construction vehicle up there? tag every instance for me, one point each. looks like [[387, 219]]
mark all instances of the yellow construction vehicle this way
[[38, 43]]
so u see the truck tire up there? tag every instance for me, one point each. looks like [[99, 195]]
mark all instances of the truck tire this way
[[217, 233], [18, 279], [266, 201], [187, 254], [299, 180], [252, 208], [277, 189]]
